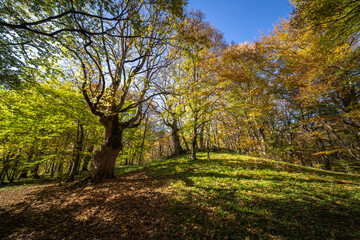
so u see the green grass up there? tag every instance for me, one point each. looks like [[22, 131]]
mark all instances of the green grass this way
[[241, 197], [25, 182], [43, 179], [233, 196]]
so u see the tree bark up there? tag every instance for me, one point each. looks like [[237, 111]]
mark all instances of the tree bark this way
[[194, 144], [3, 174], [35, 171], [23, 173], [6, 167], [208, 149], [103, 162], [194, 137], [60, 170], [75, 165], [325, 157], [185, 142], [52, 171], [87, 158], [141, 157], [201, 138], [176, 138]]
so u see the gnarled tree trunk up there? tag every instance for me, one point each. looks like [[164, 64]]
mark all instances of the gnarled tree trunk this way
[[176, 138], [103, 162]]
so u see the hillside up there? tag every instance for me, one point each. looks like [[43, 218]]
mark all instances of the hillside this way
[[228, 197]]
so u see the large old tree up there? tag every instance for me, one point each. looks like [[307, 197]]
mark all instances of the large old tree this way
[[117, 71], [116, 49]]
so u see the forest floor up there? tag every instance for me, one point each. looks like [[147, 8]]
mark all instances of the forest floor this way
[[228, 197]]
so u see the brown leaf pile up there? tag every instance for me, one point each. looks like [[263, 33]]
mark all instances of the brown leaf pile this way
[[128, 207]]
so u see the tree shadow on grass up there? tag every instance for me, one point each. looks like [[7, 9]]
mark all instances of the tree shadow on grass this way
[[136, 206], [185, 170], [255, 206], [228, 216], [282, 167]]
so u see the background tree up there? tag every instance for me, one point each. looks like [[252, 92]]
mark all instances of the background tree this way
[[201, 46], [39, 127], [170, 107]]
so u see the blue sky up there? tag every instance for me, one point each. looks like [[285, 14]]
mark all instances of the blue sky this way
[[242, 20]]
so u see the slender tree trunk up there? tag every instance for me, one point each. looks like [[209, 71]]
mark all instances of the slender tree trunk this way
[[170, 150], [60, 170], [58, 167], [141, 157], [23, 173], [324, 157], [160, 150], [208, 149], [195, 135], [263, 141], [47, 168], [11, 175], [133, 158], [103, 161], [5, 168], [3, 174], [75, 165], [36, 170], [194, 144], [87, 158], [185, 142], [11, 172], [201, 139], [52, 171]]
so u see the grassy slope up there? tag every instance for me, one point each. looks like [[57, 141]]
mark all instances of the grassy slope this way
[[234, 196], [229, 197]]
